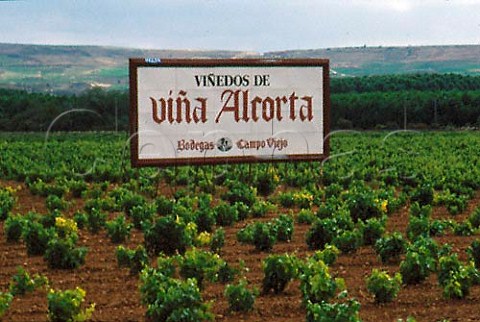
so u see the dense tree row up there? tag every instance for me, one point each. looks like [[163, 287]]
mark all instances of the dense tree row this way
[[422, 100], [406, 82]]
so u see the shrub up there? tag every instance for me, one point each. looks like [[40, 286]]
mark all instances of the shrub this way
[[205, 219], [164, 205], [240, 298], [172, 300], [135, 259], [240, 192], [474, 252], [454, 277], [62, 253], [348, 241], [13, 227], [243, 210], [390, 247], [286, 199], [305, 216], [463, 229], [264, 236], [54, 202], [66, 228], [81, 219], [226, 273], [372, 230], [167, 235], [245, 235], [7, 200], [278, 271], [199, 264], [321, 233], [316, 283], [225, 215], [420, 261], [141, 214], [66, 306], [418, 227], [96, 220], [261, 208], [22, 282], [382, 286], [118, 229], [218, 240], [474, 218], [328, 255], [423, 195], [363, 205], [36, 237], [267, 181], [333, 312], [284, 227], [5, 300]]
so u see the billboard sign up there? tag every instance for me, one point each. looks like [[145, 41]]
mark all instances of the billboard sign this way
[[193, 111]]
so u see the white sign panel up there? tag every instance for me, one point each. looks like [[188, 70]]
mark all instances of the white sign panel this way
[[192, 111]]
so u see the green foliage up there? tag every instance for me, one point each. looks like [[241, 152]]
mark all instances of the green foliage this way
[[264, 236], [206, 219], [260, 208], [321, 233], [54, 202], [172, 300], [245, 235], [96, 220], [62, 254], [305, 216], [81, 219], [36, 237], [418, 227], [7, 201], [266, 182], [328, 255], [167, 235], [240, 298], [372, 230], [199, 264], [226, 273], [333, 312], [118, 229], [463, 229], [22, 283], [164, 205], [420, 261], [317, 285], [225, 214], [348, 241], [5, 300], [135, 259], [423, 195], [474, 252], [284, 227], [474, 218], [13, 227], [390, 247], [240, 192], [382, 286], [218, 240], [66, 306], [278, 271], [142, 213], [455, 278]]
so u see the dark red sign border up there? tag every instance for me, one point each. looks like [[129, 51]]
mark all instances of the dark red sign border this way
[[134, 63]]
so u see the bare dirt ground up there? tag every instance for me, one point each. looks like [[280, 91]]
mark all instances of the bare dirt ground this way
[[117, 297]]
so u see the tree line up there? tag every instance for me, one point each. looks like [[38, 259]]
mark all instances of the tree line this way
[[391, 101]]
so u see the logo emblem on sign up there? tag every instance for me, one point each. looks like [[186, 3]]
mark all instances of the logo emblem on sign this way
[[224, 144]]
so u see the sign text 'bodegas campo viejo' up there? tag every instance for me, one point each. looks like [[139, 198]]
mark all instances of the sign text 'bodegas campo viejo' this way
[[193, 111]]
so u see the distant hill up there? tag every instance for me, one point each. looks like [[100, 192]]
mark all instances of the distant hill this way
[[67, 69]]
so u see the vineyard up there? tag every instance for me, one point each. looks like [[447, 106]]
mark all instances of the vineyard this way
[[386, 229]]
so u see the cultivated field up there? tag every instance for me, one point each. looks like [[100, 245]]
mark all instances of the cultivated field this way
[[400, 202]]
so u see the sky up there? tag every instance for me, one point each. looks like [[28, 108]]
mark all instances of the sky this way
[[247, 25]]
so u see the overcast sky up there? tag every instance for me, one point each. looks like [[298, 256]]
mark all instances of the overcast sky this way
[[256, 25]]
